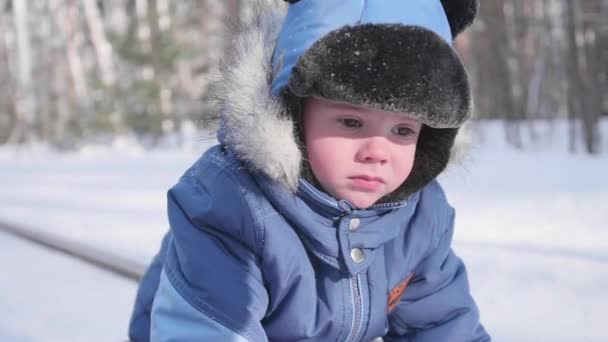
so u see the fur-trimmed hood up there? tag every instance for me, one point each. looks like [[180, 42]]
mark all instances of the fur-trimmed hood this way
[[256, 124]]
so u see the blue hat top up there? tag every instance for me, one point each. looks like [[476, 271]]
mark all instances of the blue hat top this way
[[308, 21]]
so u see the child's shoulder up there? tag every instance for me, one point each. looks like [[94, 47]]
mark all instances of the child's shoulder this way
[[434, 209], [218, 167], [218, 191], [434, 195], [431, 220], [217, 157]]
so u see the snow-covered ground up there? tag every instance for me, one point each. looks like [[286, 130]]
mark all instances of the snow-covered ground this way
[[46, 296], [532, 227]]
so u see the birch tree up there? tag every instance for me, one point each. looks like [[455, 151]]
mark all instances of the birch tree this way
[[103, 49], [25, 104], [7, 84]]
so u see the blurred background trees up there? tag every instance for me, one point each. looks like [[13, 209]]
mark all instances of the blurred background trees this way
[[541, 60], [72, 70], [76, 70]]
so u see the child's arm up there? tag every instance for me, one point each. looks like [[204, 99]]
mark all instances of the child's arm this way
[[437, 305], [211, 287]]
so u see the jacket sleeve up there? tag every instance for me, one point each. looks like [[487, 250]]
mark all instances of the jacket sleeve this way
[[437, 306], [139, 326], [211, 287]]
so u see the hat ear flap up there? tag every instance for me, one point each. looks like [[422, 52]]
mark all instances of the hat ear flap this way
[[460, 13]]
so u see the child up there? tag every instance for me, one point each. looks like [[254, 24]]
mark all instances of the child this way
[[318, 216]]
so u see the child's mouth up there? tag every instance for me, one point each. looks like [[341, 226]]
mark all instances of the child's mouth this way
[[365, 182]]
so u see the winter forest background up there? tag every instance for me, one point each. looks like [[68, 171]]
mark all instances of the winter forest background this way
[[74, 71], [101, 112]]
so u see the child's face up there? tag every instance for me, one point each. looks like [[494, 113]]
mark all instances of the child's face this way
[[358, 154]]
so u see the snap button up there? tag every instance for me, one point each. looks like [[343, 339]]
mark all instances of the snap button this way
[[353, 225], [357, 255]]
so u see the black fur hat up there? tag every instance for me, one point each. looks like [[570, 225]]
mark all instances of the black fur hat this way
[[397, 68]]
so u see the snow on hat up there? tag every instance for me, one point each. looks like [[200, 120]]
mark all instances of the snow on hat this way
[[392, 55]]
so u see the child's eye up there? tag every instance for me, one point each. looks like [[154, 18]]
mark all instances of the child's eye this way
[[350, 123], [403, 131]]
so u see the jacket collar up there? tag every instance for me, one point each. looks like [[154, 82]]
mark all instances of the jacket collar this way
[[321, 221]]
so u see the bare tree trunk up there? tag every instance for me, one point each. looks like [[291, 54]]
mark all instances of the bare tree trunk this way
[[535, 86], [591, 56], [25, 101], [514, 29], [602, 51], [61, 106], [65, 16], [57, 89], [7, 96], [509, 77], [143, 29], [574, 81], [42, 45], [554, 94], [540, 35], [103, 49], [157, 21], [489, 46]]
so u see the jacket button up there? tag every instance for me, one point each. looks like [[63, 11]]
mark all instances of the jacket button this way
[[353, 225], [357, 255]]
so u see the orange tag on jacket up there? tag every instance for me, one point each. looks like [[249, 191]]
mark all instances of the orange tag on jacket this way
[[395, 295]]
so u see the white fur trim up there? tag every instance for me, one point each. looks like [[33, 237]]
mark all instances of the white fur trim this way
[[256, 125]]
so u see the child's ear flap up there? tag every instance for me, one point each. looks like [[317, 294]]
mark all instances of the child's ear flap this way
[[291, 2], [460, 13]]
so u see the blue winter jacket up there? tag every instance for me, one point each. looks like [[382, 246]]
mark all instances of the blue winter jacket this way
[[246, 260], [255, 253]]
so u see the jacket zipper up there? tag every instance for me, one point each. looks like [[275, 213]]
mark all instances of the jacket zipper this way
[[358, 308]]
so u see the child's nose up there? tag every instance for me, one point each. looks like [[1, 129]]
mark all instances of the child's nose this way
[[373, 150]]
